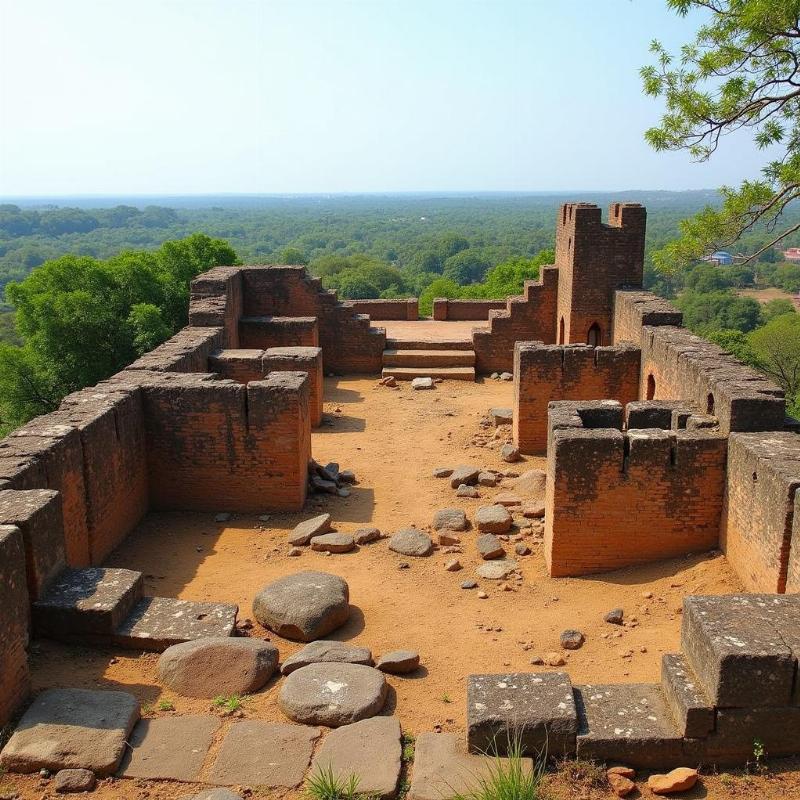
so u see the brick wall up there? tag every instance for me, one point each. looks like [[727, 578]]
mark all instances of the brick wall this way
[[300, 359], [215, 445], [531, 317], [216, 302], [407, 309], [445, 309], [633, 309], [263, 332], [616, 499], [543, 373], [241, 366], [758, 527], [14, 624], [594, 260], [187, 351]]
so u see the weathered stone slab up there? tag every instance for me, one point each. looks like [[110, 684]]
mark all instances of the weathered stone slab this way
[[304, 606], [304, 531], [87, 602], [370, 749], [496, 570], [333, 543], [628, 723], [332, 694], [443, 770], [691, 709], [323, 651], [366, 535], [539, 708], [411, 542], [398, 662], [264, 754], [217, 665], [739, 657], [156, 623], [215, 794], [464, 474], [493, 519], [169, 748], [501, 416], [489, 547], [451, 519], [72, 729]]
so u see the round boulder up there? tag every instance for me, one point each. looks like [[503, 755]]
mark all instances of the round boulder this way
[[411, 542], [493, 519], [217, 665], [304, 606], [332, 694]]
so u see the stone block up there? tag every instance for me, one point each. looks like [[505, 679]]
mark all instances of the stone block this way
[[539, 708], [690, 707]]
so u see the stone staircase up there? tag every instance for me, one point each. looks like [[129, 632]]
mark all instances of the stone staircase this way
[[450, 360], [103, 605]]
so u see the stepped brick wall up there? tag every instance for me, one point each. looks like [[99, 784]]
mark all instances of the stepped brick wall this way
[[594, 260], [14, 623], [633, 309], [445, 309], [615, 499], [266, 332], [544, 373], [407, 309]]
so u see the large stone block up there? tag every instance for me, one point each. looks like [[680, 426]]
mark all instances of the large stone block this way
[[690, 707]]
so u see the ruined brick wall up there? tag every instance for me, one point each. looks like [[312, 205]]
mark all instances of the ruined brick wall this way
[[445, 309], [263, 332], [530, 317], [759, 528], [543, 373], [241, 366], [594, 260], [633, 309], [407, 309], [677, 365], [14, 623], [216, 302], [616, 499], [187, 351], [217, 445]]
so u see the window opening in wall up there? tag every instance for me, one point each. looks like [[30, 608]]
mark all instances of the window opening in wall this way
[[561, 331], [710, 404], [651, 387], [594, 337]]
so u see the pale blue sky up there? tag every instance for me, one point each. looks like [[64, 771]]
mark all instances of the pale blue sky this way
[[206, 96]]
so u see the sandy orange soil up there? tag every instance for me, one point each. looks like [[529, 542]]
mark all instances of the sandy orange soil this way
[[393, 439]]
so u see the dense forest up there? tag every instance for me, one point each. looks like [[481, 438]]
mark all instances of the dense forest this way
[[88, 286]]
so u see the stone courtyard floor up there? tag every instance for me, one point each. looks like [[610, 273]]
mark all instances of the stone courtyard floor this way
[[392, 440]]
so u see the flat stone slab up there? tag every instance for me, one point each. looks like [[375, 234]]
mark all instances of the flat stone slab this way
[[496, 570], [169, 748], [72, 729], [332, 694], [442, 768], [539, 708], [217, 665], [493, 519], [370, 749], [323, 651], [451, 519], [333, 543], [691, 709], [489, 546], [398, 662], [304, 531], [422, 383], [215, 794], [156, 623], [304, 606], [464, 474], [411, 542], [366, 535], [271, 754], [629, 723], [501, 416]]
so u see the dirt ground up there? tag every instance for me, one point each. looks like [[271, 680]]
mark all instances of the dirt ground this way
[[765, 295], [393, 439]]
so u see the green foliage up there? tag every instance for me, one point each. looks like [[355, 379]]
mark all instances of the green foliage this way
[[228, 703], [467, 266], [292, 255], [740, 73], [776, 345], [736, 343], [441, 287], [776, 308], [719, 310], [324, 784]]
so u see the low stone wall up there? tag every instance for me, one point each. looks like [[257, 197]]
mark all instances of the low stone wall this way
[[407, 309], [446, 309]]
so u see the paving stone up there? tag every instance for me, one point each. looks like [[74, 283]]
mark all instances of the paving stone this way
[[493, 519], [464, 474], [398, 662], [452, 519], [442, 769], [740, 659], [68, 781], [304, 606], [501, 416], [158, 622], [537, 707], [90, 602], [169, 748], [629, 723], [267, 754], [323, 651], [411, 542], [366, 535], [72, 729], [489, 547], [217, 665], [496, 570], [370, 749], [333, 543], [332, 694], [691, 709], [303, 532]]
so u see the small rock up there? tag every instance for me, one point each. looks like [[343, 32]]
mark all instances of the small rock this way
[[332, 469], [448, 538], [295, 551], [398, 662], [321, 485], [324, 651], [489, 547], [493, 519], [483, 596], [366, 535], [507, 499], [333, 543], [554, 660], [626, 772], [422, 383], [506, 376], [614, 617], [411, 542], [343, 492], [572, 640], [620, 785], [537, 660], [347, 476], [647, 595], [467, 491], [678, 780], [453, 565], [442, 472], [533, 509], [501, 416], [487, 479], [509, 453], [390, 381], [496, 570], [224, 517], [469, 585], [495, 376], [453, 519], [304, 531], [522, 549], [464, 474], [404, 565], [74, 780]]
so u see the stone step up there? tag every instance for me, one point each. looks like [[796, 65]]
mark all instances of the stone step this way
[[691, 709], [87, 603], [630, 723], [429, 358], [446, 373], [423, 344], [156, 623]]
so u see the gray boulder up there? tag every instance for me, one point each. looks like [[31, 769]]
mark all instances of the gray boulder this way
[[323, 651], [489, 547], [464, 474], [304, 531], [493, 519], [411, 542], [451, 519]]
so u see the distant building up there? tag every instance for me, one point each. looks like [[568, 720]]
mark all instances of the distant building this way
[[792, 254], [720, 257]]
